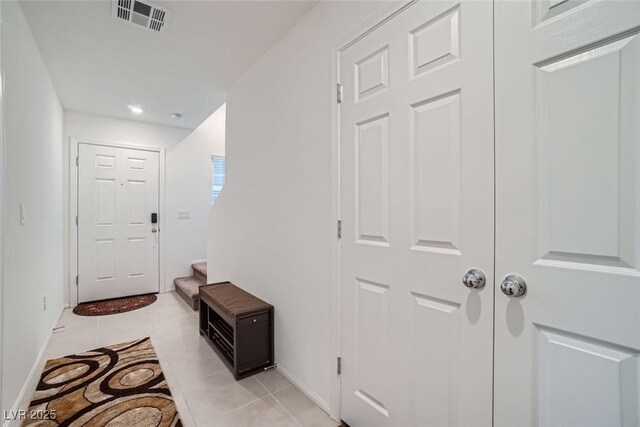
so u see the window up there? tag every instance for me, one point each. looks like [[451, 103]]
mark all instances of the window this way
[[217, 175]]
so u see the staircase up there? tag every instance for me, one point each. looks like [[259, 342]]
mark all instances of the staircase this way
[[189, 287]]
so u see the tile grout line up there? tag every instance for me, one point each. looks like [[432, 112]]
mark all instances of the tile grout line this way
[[204, 376], [260, 382], [223, 413], [269, 391], [188, 408], [172, 388], [272, 394], [280, 389], [246, 404], [286, 410], [184, 399], [269, 394], [186, 402], [177, 386], [230, 411]]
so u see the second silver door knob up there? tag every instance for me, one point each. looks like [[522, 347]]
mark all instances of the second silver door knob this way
[[514, 286]]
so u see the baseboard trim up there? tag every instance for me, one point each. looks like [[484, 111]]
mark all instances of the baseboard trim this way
[[30, 384], [304, 388]]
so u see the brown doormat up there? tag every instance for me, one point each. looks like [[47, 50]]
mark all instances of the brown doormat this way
[[119, 385], [114, 306]]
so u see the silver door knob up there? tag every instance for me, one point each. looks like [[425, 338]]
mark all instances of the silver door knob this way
[[154, 230], [474, 279], [514, 286]]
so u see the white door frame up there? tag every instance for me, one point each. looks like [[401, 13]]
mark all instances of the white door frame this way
[[2, 196], [73, 211], [382, 17]]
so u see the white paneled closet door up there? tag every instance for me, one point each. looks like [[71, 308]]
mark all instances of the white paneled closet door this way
[[568, 213], [416, 137]]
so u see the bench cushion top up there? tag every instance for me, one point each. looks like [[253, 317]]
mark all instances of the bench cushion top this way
[[231, 300]]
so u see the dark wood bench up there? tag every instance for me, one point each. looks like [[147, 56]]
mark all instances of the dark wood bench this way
[[239, 327]]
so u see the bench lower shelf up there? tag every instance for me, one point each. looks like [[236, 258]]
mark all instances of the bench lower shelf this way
[[245, 344]]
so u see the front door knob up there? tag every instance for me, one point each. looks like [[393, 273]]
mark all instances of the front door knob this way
[[474, 279], [514, 286]]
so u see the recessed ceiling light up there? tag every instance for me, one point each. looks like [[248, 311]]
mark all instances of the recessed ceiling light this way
[[176, 116], [135, 109]]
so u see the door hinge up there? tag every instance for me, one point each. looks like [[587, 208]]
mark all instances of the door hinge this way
[[77, 161], [339, 365], [77, 280], [339, 93], [339, 229], [76, 219]]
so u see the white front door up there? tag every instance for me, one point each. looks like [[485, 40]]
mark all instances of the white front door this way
[[568, 213], [416, 137], [117, 245]]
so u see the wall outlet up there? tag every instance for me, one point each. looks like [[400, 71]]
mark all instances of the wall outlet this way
[[44, 303]]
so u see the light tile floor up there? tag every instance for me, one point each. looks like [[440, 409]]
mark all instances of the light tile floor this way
[[205, 392]]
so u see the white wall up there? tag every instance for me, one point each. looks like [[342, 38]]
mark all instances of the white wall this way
[[94, 128], [32, 257], [271, 231], [189, 188]]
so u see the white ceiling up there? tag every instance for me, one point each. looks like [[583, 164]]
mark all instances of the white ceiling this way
[[100, 65]]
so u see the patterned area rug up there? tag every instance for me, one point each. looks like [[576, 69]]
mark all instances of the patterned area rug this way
[[119, 385], [114, 306]]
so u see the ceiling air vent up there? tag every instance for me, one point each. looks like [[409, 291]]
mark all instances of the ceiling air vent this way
[[142, 14]]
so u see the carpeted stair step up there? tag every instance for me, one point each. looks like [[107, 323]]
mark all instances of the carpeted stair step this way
[[189, 289], [200, 272]]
